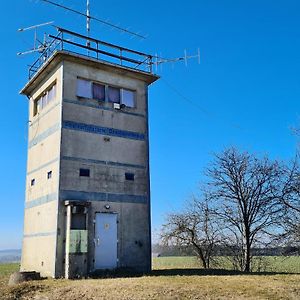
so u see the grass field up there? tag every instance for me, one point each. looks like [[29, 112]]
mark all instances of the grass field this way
[[277, 264], [172, 278]]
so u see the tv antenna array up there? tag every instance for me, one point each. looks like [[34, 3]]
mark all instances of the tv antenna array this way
[[50, 43]]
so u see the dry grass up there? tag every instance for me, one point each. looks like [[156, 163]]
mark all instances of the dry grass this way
[[161, 285]]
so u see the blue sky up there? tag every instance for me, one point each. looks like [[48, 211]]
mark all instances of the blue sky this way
[[245, 92]]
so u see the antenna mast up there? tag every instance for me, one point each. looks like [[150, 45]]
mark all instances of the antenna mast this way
[[88, 23]]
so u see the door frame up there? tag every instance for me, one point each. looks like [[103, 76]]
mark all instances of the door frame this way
[[94, 234]]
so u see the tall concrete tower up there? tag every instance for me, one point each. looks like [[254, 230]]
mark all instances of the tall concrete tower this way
[[87, 202]]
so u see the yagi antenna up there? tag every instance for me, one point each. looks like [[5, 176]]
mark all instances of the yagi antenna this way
[[38, 46], [89, 17], [160, 60]]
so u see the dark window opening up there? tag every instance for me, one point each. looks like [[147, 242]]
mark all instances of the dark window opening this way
[[49, 175], [114, 94], [32, 182], [78, 222], [129, 176], [99, 91], [84, 172]]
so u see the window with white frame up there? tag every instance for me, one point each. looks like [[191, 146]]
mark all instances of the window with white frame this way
[[46, 97]]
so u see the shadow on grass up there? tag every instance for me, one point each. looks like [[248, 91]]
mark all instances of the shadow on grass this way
[[179, 272]]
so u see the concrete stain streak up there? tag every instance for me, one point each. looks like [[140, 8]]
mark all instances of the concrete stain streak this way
[[94, 196], [102, 162]]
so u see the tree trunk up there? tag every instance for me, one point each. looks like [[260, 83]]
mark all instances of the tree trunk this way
[[247, 255], [200, 255]]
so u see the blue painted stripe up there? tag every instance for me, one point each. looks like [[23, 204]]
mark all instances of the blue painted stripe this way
[[41, 200], [92, 196], [39, 234], [102, 162], [103, 107], [41, 115], [43, 166], [103, 130], [43, 135]]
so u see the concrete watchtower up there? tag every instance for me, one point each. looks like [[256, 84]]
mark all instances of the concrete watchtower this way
[[87, 186]]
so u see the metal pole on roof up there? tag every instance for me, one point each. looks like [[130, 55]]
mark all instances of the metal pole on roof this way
[[88, 21]]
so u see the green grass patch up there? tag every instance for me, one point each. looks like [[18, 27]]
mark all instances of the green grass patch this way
[[175, 262], [7, 269], [273, 264]]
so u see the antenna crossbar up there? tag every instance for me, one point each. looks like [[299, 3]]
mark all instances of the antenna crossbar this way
[[35, 26]]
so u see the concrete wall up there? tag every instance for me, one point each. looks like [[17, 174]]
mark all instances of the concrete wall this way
[[73, 133], [133, 234], [108, 161], [40, 217]]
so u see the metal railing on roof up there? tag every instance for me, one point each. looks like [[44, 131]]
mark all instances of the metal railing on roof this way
[[92, 48]]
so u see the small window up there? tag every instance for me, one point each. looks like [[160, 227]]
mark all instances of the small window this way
[[84, 88], [114, 94], [99, 91], [41, 102], [32, 182], [84, 172], [49, 175], [52, 93], [128, 98], [129, 176], [38, 105]]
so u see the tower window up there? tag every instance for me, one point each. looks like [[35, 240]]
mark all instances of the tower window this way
[[49, 175], [128, 98], [129, 176], [51, 93], [99, 91], [114, 94], [84, 172], [32, 182], [84, 88], [47, 96]]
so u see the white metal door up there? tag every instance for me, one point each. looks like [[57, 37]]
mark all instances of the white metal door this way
[[106, 241]]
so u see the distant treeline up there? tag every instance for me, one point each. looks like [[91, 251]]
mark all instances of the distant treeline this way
[[161, 250], [8, 256]]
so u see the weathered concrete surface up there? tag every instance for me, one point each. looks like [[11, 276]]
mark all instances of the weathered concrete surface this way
[[108, 157]]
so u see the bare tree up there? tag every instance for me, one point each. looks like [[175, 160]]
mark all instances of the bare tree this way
[[245, 190], [196, 228], [291, 202], [291, 188]]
